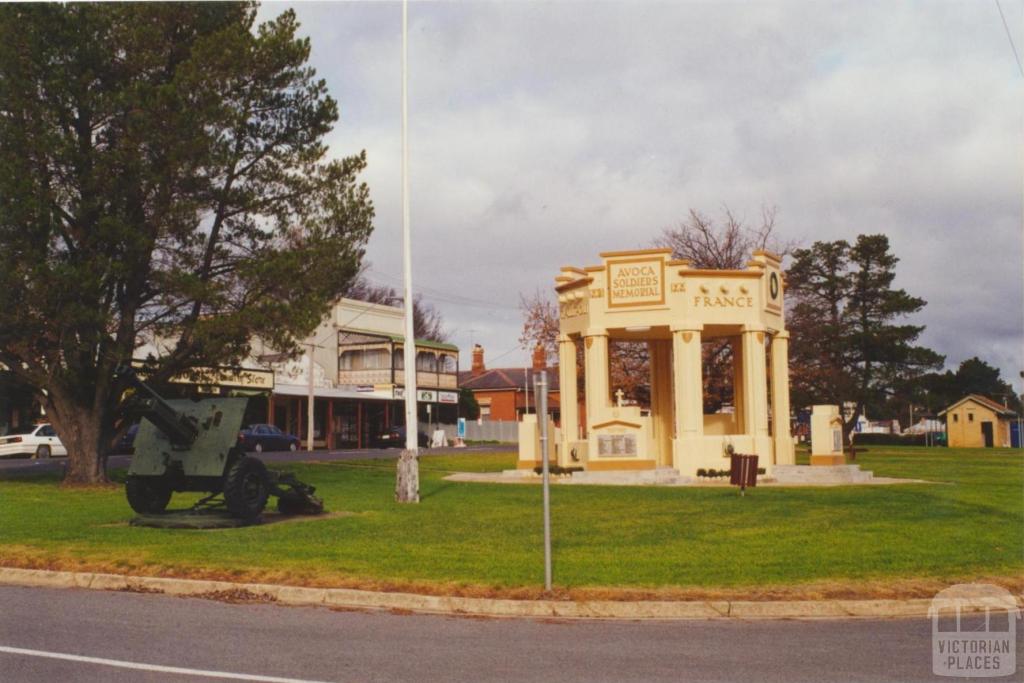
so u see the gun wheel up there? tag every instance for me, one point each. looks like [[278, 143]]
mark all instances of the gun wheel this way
[[147, 495], [246, 488]]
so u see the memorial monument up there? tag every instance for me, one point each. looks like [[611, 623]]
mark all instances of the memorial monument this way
[[646, 296]]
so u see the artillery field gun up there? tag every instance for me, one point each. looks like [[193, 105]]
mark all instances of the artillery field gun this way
[[192, 445]]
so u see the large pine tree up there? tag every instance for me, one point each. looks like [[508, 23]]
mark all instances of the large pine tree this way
[[163, 176], [851, 343]]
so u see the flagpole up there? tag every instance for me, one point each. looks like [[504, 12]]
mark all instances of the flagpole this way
[[407, 484]]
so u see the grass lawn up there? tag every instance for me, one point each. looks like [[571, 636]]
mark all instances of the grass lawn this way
[[486, 538]]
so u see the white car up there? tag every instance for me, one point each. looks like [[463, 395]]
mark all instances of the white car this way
[[39, 441]]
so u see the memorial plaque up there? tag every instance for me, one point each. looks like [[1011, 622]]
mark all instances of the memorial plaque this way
[[636, 282], [616, 445]]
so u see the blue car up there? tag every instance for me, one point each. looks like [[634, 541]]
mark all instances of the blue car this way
[[263, 437]]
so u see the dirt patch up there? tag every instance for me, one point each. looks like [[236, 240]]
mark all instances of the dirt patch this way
[[277, 518], [235, 596]]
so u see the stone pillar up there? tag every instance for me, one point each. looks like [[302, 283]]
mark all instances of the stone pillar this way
[[784, 452], [660, 353], [595, 353], [736, 345], [567, 389], [688, 380], [755, 383]]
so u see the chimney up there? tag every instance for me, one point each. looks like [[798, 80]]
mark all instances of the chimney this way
[[540, 358], [478, 361]]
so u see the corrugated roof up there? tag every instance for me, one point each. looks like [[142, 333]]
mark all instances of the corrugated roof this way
[[426, 343]]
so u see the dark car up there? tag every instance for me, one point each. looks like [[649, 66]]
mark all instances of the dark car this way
[[126, 444], [395, 438], [261, 438]]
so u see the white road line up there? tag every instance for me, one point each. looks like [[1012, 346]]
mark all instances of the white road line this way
[[138, 666]]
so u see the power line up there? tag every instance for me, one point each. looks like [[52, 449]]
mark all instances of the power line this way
[[1009, 37], [448, 297]]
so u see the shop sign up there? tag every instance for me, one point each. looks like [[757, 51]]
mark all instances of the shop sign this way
[[222, 377], [423, 396], [448, 397]]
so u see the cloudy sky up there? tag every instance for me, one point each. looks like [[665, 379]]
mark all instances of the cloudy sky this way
[[542, 133]]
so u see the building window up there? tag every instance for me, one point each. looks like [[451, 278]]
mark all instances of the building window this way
[[370, 359], [447, 364], [426, 362], [398, 359], [956, 418], [970, 417]]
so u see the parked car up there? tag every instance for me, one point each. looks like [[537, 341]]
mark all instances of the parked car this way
[[394, 437], [262, 437], [126, 444], [39, 441]]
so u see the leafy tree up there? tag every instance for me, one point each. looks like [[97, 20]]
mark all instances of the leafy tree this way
[[163, 180], [935, 391], [850, 345], [469, 407]]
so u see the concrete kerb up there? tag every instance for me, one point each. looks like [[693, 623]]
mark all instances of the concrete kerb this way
[[346, 598]]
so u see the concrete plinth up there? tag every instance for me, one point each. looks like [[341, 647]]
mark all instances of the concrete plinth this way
[[664, 476], [828, 460], [825, 474]]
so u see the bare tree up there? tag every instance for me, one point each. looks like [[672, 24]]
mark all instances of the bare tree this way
[[540, 323], [427, 321], [723, 245]]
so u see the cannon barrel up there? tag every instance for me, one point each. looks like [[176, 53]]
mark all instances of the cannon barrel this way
[[180, 429]]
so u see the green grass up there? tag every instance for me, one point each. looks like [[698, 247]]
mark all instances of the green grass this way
[[968, 524]]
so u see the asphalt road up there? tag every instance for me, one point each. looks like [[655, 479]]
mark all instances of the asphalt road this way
[[20, 466], [127, 632]]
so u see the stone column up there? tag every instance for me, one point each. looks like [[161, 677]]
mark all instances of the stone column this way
[[736, 345], [688, 380], [784, 453], [567, 389], [660, 353], [595, 353], [755, 383]]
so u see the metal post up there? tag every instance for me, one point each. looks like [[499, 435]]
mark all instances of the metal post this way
[[309, 401], [542, 415]]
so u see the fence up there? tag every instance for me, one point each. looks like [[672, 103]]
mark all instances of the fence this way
[[503, 431]]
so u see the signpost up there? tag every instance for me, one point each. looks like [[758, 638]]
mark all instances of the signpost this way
[[540, 385]]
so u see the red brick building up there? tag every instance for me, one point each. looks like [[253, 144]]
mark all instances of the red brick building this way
[[502, 392]]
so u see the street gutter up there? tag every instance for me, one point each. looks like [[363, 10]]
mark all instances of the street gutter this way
[[352, 599]]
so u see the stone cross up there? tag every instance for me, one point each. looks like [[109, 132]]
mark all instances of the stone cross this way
[[618, 397]]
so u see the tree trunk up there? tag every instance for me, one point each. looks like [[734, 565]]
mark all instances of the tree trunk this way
[[81, 432], [407, 482]]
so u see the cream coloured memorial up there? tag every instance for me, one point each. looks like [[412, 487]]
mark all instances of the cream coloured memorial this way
[[646, 296]]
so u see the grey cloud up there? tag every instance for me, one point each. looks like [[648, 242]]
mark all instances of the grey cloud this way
[[543, 133]]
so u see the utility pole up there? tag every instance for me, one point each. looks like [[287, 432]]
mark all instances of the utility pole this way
[[310, 398], [407, 481]]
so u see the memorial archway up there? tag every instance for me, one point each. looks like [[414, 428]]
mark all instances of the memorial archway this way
[[646, 296]]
